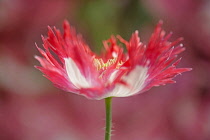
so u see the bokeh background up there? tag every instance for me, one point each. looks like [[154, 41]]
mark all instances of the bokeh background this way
[[31, 108]]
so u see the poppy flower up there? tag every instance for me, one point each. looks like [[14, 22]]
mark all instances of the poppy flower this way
[[70, 64]]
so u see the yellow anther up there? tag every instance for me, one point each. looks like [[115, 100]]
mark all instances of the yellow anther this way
[[100, 64]]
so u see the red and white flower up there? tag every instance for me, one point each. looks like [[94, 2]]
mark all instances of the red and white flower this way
[[114, 73]]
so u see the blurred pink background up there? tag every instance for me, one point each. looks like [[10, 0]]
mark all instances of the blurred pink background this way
[[31, 108]]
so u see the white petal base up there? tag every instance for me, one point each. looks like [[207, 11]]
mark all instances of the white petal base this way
[[136, 81], [74, 74]]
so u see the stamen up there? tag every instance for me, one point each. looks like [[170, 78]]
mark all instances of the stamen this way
[[100, 64]]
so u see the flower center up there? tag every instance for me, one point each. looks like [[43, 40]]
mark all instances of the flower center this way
[[101, 65]]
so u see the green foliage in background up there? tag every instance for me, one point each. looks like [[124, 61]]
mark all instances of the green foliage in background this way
[[102, 18]]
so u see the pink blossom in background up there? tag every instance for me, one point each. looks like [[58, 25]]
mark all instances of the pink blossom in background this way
[[20, 20]]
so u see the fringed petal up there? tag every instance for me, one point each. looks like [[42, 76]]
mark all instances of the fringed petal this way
[[70, 64]]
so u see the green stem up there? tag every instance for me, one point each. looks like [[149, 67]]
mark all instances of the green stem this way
[[108, 103]]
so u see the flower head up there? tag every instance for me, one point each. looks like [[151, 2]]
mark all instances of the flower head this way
[[114, 73]]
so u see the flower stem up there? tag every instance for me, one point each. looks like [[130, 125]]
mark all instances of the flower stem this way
[[108, 103]]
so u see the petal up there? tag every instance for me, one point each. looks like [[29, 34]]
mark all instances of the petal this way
[[113, 76], [57, 75], [74, 74], [135, 81]]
